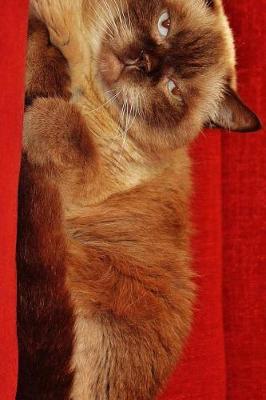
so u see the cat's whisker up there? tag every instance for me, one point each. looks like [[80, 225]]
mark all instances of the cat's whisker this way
[[103, 21], [126, 116], [129, 19], [126, 113], [122, 17], [103, 26], [129, 111], [108, 21], [123, 114], [123, 117], [104, 104], [108, 36], [108, 27], [110, 17], [119, 15], [138, 109], [132, 121], [122, 11], [124, 138], [100, 22], [142, 101], [137, 101], [105, 8], [110, 91]]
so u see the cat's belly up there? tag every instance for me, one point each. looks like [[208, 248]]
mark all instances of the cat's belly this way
[[132, 290]]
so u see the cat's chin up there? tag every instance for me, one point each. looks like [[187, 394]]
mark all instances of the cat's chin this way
[[160, 141]]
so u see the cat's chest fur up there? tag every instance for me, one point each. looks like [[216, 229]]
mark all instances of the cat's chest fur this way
[[131, 207], [130, 200]]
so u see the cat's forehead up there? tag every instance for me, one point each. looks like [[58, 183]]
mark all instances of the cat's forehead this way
[[147, 9], [186, 15]]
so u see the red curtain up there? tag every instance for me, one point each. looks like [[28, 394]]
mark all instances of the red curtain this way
[[13, 23], [226, 354], [244, 216], [225, 357]]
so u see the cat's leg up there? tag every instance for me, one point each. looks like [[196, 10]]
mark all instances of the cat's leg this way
[[56, 137], [46, 72], [63, 19]]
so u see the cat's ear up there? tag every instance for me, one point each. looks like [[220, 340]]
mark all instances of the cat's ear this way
[[234, 115]]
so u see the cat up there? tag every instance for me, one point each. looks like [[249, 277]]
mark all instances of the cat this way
[[115, 91]]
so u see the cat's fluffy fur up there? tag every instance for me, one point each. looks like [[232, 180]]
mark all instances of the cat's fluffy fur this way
[[105, 283]]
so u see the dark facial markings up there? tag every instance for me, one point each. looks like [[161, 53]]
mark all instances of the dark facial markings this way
[[187, 52], [192, 52]]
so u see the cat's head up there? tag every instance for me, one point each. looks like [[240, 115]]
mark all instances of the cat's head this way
[[167, 66]]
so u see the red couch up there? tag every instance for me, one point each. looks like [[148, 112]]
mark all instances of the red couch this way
[[225, 358]]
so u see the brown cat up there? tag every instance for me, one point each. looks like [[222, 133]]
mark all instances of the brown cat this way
[[105, 284]]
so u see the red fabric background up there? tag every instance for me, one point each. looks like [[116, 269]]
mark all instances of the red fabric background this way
[[13, 16], [244, 216], [225, 358], [226, 355]]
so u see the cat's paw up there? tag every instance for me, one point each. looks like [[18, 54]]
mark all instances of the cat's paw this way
[[55, 16], [38, 37], [47, 74], [55, 134], [42, 123], [62, 19]]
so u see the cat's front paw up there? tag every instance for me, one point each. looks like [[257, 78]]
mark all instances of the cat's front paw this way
[[56, 135], [54, 15], [47, 74], [62, 19], [42, 123]]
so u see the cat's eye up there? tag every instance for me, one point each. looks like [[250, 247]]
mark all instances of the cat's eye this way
[[164, 24], [173, 88]]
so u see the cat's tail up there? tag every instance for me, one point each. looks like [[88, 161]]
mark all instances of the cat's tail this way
[[45, 315]]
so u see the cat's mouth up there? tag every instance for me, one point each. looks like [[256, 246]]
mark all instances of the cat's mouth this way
[[111, 67], [116, 75]]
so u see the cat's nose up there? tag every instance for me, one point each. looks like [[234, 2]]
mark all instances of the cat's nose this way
[[144, 62]]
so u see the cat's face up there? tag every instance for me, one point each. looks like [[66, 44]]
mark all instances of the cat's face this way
[[164, 65]]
